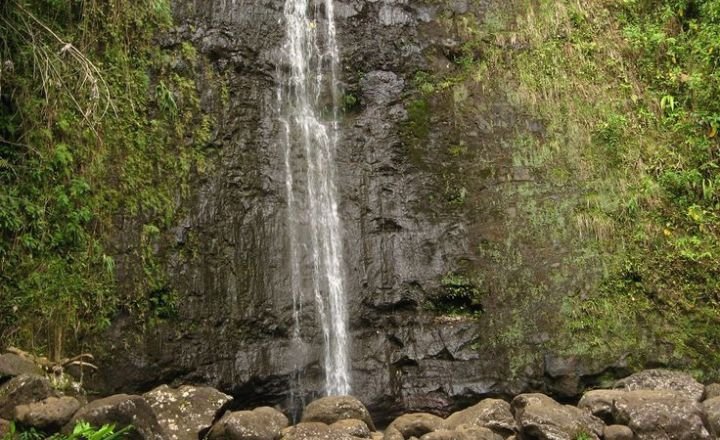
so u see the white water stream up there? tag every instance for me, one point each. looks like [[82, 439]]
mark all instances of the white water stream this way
[[307, 98]]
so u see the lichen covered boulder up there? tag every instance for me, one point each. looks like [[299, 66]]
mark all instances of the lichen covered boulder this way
[[650, 414], [121, 410], [490, 413], [259, 424], [12, 365], [542, 418], [21, 390], [330, 409], [185, 412], [417, 424], [48, 414], [659, 379]]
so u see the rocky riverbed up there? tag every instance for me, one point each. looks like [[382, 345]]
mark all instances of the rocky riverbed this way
[[648, 405]]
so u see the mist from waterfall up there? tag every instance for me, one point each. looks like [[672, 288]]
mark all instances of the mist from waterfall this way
[[308, 107]]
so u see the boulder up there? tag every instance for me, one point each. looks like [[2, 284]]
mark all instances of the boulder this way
[[712, 391], [712, 413], [491, 413], [445, 434], [305, 431], [660, 379], [121, 410], [391, 433], [274, 418], [49, 414], [417, 425], [330, 409], [600, 403], [21, 390], [4, 428], [618, 432], [478, 433], [650, 414], [12, 365], [315, 431], [185, 412], [352, 427], [540, 417], [259, 424]]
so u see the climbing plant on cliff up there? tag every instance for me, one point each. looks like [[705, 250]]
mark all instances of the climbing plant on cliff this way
[[92, 134]]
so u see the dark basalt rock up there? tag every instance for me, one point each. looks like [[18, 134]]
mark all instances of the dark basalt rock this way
[[412, 213], [650, 414], [186, 412], [21, 390], [259, 424], [332, 409], [12, 365], [658, 379], [540, 417], [121, 410], [49, 414]]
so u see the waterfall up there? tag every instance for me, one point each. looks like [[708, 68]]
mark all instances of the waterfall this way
[[308, 109]]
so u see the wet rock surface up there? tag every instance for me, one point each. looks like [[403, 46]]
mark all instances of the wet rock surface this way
[[414, 214]]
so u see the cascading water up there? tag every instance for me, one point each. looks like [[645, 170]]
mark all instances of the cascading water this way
[[307, 99]]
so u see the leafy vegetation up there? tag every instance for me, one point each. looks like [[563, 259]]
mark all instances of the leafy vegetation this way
[[458, 295], [81, 431], [95, 138], [622, 181]]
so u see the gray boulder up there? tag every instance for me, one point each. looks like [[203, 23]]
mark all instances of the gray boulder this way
[[618, 432], [330, 409], [185, 412], [540, 417], [391, 433], [478, 433], [417, 425], [21, 390], [305, 431], [121, 410], [491, 413], [352, 427], [316, 431], [650, 414], [600, 403], [12, 365], [712, 391], [712, 413], [660, 379], [49, 414], [445, 434], [259, 424], [4, 428]]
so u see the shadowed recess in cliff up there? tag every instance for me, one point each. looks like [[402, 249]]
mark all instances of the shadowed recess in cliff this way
[[308, 114]]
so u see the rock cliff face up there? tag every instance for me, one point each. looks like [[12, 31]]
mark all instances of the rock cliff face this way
[[433, 201]]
